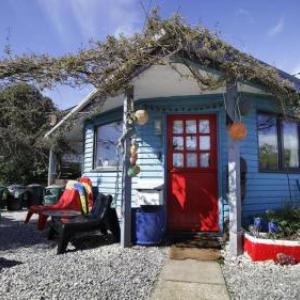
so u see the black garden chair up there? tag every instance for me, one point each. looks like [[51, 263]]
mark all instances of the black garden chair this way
[[102, 217]]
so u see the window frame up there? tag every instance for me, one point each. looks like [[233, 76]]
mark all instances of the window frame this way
[[280, 140], [103, 168]]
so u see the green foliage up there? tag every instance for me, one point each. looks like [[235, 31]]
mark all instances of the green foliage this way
[[288, 219], [110, 65], [24, 115]]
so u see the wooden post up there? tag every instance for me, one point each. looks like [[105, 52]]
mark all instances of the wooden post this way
[[52, 167], [234, 179], [126, 188]]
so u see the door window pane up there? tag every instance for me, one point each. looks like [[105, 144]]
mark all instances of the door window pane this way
[[177, 160], [191, 126], [191, 142], [191, 160], [178, 126], [204, 126], [106, 151], [267, 142], [178, 143], [291, 144], [204, 160], [204, 143]]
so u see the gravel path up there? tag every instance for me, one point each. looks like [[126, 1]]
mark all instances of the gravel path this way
[[262, 280], [30, 268]]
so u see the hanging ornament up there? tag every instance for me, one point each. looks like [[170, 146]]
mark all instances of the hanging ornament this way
[[133, 171], [238, 131], [133, 149], [134, 155], [133, 160], [141, 116]]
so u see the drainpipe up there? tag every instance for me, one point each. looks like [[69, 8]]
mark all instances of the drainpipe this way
[[52, 166]]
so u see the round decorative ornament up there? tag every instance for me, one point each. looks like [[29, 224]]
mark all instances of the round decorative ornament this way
[[134, 155], [130, 172], [133, 149], [133, 171], [238, 131], [141, 116], [137, 169], [133, 160]]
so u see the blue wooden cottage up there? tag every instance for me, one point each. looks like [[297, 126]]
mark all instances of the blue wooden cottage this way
[[184, 150]]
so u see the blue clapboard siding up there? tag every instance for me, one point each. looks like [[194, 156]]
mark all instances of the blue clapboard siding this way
[[264, 190], [152, 148]]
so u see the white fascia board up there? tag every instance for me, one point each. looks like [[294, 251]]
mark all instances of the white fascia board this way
[[77, 108]]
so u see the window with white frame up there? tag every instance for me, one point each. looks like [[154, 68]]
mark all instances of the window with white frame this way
[[106, 152]]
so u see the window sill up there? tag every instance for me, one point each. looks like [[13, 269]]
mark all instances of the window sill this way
[[106, 169], [291, 171]]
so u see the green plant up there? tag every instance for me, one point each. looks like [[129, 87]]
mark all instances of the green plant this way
[[24, 115], [288, 219], [110, 65]]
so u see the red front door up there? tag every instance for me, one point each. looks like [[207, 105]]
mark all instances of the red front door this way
[[192, 173]]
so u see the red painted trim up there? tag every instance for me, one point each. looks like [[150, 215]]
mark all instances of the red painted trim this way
[[260, 251]]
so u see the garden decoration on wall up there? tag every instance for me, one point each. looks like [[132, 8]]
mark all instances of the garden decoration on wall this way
[[140, 117]]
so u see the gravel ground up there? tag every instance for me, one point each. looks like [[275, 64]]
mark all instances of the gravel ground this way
[[30, 268], [262, 280]]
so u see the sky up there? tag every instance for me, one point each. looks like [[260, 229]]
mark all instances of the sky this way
[[266, 29]]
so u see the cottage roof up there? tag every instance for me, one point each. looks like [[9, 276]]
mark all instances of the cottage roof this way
[[110, 65]]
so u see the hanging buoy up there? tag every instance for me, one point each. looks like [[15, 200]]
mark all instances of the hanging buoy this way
[[238, 131], [141, 116], [133, 160], [133, 149], [133, 171]]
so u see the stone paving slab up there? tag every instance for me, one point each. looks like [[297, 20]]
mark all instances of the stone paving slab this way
[[190, 270], [170, 290], [192, 280]]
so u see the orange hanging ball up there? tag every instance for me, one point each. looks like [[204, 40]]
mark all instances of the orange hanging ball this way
[[238, 131]]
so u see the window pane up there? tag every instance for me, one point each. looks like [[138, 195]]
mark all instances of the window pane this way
[[291, 144], [267, 141], [204, 160], [204, 126], [106, 145], [178, 127], [178, 143], [191, 126], [191, 142], [177, 160], [204, 143], [191, 160]]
